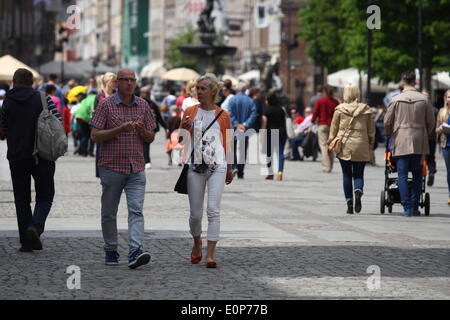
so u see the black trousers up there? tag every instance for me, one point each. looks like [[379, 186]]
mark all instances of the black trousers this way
[[43, 176], [431, 158], [84, 139], [147, 152], [240, 166]]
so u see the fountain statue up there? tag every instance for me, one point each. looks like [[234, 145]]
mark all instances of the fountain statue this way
[[209, 50]]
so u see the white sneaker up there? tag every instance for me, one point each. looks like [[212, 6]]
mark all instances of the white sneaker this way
[[148, 166]]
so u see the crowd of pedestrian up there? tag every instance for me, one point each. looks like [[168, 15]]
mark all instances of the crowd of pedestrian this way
[[114, 120]]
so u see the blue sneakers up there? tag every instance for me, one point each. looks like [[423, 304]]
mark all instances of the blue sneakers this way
[[138, 258], [111, 258]]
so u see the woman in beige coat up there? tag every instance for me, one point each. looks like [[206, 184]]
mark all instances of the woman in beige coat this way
[[354, 127], [444, 139]]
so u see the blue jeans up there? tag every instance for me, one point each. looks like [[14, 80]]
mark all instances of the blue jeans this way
[[352, 170], [42, 173], [295, 143], [271, 149], [113, 183], [405, 164], [446, 154]]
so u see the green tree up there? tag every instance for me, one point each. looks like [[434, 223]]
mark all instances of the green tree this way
[[175, 57], [394, 47], [319, 26]]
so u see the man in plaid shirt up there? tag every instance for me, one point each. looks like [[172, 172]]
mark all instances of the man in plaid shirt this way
[[123, 122]]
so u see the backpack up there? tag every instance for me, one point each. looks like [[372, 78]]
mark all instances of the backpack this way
[[51, 140]]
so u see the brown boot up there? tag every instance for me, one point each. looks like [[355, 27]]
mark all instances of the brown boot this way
[[269, 177]]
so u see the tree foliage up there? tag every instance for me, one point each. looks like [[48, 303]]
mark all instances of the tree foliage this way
[[175, 57], [337, 33]]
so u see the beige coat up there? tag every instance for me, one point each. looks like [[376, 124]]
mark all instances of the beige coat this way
[[409, 121], [442, 118], [359, 137]]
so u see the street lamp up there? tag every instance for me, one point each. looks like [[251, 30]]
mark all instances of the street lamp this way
[[419, 45], [369, 60]]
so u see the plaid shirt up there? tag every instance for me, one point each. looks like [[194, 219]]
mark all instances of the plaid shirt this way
[[124, 153]]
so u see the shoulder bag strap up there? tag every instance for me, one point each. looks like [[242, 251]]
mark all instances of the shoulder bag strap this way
[[350, 124], [210, 125]]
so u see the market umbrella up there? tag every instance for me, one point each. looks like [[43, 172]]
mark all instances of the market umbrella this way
[[180, 74], [233, 80], [251, 75], [153, 69], [9, 65], [70, 70], [343, 77]]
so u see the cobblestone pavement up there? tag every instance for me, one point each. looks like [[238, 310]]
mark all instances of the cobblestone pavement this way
[[279, 240]]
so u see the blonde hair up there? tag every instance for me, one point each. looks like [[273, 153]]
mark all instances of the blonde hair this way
[[213, 83], [446, 94], [351, 93], [189, 86]]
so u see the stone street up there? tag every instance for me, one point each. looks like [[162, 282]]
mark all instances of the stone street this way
[[279, 240]]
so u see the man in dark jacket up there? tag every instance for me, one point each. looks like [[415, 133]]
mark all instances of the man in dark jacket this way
[[19, 115]]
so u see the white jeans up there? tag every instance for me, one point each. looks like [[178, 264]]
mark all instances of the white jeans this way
[[197, 183]]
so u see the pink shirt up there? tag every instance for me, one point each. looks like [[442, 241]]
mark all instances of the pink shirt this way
[[57, 102]]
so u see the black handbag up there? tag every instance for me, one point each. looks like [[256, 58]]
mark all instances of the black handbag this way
[[181, 185]]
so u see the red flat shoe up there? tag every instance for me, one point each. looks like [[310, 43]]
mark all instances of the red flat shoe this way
[[195, 260], [211, 264]]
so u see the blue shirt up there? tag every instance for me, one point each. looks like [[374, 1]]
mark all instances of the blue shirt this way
[[242, 110]]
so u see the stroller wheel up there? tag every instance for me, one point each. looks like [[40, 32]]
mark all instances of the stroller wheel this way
[[382, 202], [427, 204]]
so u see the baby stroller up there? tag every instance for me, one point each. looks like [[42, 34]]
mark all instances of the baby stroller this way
[[391, 193]]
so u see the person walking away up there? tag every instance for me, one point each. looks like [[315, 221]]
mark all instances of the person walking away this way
[[227, 92], [173, 123], [212, 146], [167, 102], [19, 115], [53, 80], [76, 130], [409, 121], [443, 120], [323, 112], [122, 122], [255, 94], [242, 112], [274, 118], [145, 94], [83, 115], [50, 90], [354, 126], [317, 96]]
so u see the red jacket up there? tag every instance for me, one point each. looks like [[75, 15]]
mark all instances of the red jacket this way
[[324, 110]]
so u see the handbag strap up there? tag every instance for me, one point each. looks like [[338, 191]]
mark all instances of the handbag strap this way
[[350, 124], [210, 125]]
